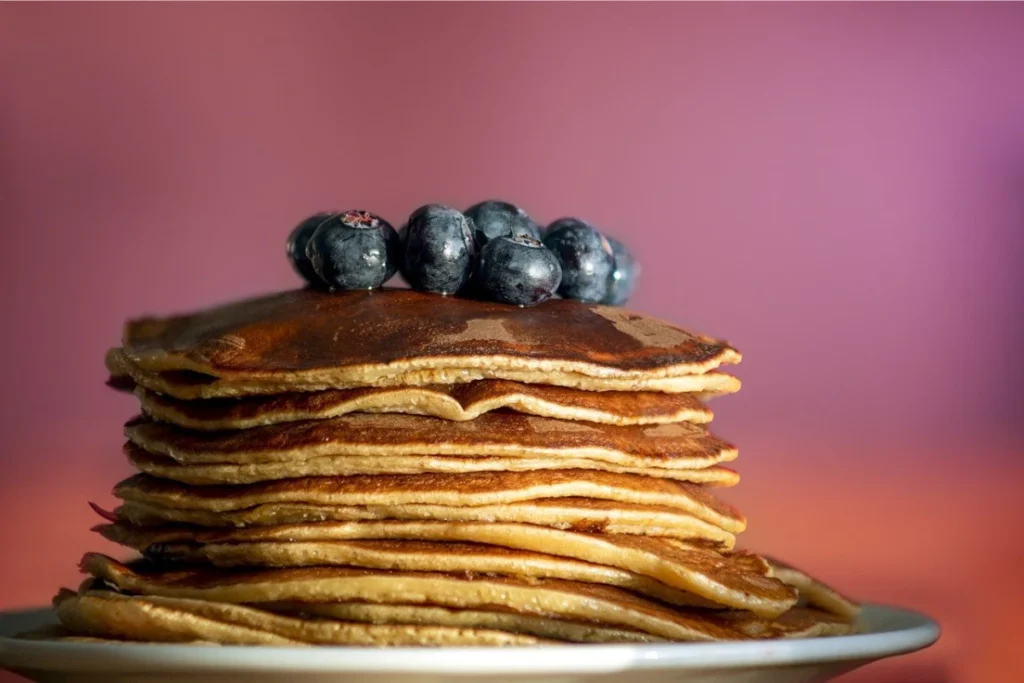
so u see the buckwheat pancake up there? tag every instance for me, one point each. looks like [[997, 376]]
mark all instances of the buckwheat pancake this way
[[462, 490], [105, 614], [553, 598], [578, 514], [737, 580], [813, 592], [341, 339], [666, 446], [189, 385], [541, 627], [457, 402]]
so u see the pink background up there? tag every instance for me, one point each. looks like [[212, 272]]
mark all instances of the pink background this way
[[838, 189]]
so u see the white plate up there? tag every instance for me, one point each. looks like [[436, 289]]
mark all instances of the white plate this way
[[890, 631]]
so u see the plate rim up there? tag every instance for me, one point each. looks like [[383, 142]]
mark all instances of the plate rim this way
[[914, 631]]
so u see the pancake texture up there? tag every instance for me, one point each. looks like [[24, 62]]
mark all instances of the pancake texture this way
[[541, 627], [189, 385], [417, 556], [799, 622], [668, 446], [724, 579], [346, 465], [361, 337], [577, 514], [104, 614], [462, 490], [813, 592], [457, 402], [553, 598]]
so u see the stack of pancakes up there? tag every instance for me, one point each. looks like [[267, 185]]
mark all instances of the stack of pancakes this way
[[397, 468]]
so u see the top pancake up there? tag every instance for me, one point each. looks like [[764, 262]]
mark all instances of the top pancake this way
[[315, 339]]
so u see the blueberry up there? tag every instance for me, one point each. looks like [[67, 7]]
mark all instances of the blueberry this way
[[495, 218], [296, 247], [354, 250], [585, 256], [622, 281], [438, 249], [517, 270]]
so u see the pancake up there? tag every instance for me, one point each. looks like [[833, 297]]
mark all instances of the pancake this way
[[552, 598], [62, 633], [340, 339], [345, 465], [541, 627], [799, 622], [457, 402], [733, 580], [423, 556], [189, 385], [813, 592], [509, 435], [105, 614], [456, 558], [475, 489], [577, 514]]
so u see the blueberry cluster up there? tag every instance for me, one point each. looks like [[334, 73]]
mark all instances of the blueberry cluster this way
[[492, 250]]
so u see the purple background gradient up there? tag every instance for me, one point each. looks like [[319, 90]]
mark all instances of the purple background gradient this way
[[836, 188]]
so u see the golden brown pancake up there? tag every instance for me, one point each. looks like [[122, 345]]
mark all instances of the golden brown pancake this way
[[577, 514], [799, 622], [466, 621], [733, 580], [458, 402], [417, 556], [346, 465], [361, 337], [813, 592], [552, 598], [486, 488], [372, 468], [104, 614], [541, 627], [508, 435], [185, 384]]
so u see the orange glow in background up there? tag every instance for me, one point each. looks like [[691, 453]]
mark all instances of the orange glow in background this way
[[838, 189]]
